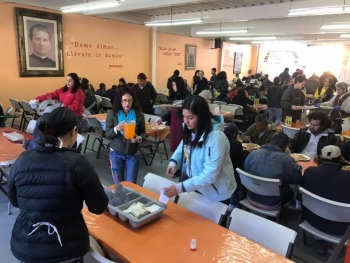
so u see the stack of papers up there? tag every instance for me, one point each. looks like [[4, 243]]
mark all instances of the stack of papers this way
[[138, 210]]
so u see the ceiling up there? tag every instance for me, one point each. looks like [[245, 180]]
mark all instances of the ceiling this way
[[265, 17]]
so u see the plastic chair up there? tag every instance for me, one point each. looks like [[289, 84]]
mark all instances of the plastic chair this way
[[220, 102], [28, 113], [158, 111], [239, 113], [212, 106], [155, 182], [31, 126], [199, 204], [80, 141], [97, 253], [97, 134], [163, 90], [261, 186], [163, 99], [289, 131], [18, 111], [271, 235], [325, 208], [106, 104]]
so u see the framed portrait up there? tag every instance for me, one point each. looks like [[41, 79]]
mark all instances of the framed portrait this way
[[191, 57], [237, 66], [39, 40]]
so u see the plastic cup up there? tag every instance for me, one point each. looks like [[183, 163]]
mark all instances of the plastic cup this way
[[129, 130]]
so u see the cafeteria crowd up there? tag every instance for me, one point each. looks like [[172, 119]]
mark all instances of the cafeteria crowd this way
[[51, 181]]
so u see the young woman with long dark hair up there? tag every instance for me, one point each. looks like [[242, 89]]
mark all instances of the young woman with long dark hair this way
[[206, 151], [125, 154], [71, 95]]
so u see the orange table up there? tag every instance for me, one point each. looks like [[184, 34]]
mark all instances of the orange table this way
[[9, 151], [298, 125], [257, 108], [225, 114], [168, 238], [307, 164]]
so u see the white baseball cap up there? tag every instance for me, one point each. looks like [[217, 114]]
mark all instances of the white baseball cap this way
[[331, 152]]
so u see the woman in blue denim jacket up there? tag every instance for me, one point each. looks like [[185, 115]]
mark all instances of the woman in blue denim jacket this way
[[206, 152]]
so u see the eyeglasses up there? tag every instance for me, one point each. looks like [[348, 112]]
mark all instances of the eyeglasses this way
[[127, 101]]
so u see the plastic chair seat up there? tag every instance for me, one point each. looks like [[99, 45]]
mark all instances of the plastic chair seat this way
[[324, 236], [273, 213]]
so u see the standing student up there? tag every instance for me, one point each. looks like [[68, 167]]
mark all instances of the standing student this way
[[274, 96], [292, 98], [125, 155], [170, 81], [206, 151], [145, 93], [49, 184], [180, 94], [71, 95], [200, 83]]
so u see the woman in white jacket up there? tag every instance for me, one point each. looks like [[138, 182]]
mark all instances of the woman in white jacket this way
[[206, 152]]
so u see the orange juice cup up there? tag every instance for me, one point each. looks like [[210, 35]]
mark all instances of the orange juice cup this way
[[129, 130], [147, 126]]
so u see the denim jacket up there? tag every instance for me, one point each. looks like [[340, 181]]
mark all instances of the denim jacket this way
[[211, 167]]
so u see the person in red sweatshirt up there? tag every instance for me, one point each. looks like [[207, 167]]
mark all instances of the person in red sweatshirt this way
[[71, 95]]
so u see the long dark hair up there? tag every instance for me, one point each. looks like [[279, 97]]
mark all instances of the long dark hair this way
[[61, 121], [181, 92], [198, 106], [76, 80], [195, 74], [117, 105]]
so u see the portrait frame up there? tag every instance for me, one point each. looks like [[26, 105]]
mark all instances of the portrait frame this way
[[49, 63], [190, 57], [237, 66]]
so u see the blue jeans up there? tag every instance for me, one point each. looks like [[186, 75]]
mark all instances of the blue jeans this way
[[275, 112], [124, 167]]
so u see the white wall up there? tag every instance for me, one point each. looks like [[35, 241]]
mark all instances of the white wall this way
[[273, 58]]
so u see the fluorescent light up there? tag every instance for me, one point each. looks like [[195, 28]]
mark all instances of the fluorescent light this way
[[328, 10], [252, 38], [323, 33], [278, 41], [174, 22], [261, 42], [221, 32], [90, 6], [345, 35], [340, 26]]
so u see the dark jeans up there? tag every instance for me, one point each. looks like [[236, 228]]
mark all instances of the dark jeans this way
[[124, 167]]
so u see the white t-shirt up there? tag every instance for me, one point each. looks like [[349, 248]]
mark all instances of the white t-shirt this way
[[311, 147]]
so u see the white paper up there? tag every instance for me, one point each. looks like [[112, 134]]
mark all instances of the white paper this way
[[152, 208], [163, 198], [217, 110]]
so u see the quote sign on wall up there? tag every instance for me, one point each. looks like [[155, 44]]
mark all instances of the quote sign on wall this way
[[170, 52], [99, 50]]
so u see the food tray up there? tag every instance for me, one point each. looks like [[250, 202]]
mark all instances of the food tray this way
[[133, 221]]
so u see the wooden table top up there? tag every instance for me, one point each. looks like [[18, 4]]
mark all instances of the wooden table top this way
[[298, 125], [305, 165], [168, 238], [9, 151]]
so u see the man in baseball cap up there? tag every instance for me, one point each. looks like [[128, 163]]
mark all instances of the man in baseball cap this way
[[330, 182]]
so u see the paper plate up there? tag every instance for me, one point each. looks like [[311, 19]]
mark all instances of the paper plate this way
[[300, 157]]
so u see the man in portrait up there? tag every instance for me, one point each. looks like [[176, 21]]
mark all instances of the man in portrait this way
[[40, 39]]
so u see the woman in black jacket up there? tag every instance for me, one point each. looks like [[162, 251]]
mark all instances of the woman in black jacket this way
[[49, 185]]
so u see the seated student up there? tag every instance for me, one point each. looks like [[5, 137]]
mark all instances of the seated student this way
[[345, 151], [273, 162], [89, 96], [223, 97], [261, 131], [242, 98], [312, 139], [111, 93], [2, 120], [206, 93], [331, 182], [237, 154]]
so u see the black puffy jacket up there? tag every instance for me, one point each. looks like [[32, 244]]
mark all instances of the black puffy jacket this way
[[49, 186]]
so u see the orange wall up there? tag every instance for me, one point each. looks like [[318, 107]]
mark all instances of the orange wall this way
[[207, 58], [131, 41]]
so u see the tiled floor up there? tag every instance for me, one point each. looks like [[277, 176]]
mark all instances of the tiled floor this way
[[301, 253]]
